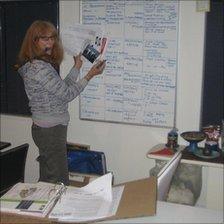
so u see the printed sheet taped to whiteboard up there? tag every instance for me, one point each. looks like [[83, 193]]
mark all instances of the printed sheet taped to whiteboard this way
[[138, 85]]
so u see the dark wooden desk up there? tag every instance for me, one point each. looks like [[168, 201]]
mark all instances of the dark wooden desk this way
[[4, 145], [190, 156], [187, 157]]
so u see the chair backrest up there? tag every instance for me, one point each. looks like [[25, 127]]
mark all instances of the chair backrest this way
[[165, 176], [87, 162], [12, 166], [84, 164]]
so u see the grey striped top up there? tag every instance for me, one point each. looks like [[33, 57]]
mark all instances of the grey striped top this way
[[48, 94]]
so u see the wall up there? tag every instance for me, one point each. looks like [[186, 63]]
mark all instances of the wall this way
[[126, 146]]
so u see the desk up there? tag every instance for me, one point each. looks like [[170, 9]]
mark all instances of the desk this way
[[175, 213], [212, 188], [187, 158], [4, 145], [165, 213]]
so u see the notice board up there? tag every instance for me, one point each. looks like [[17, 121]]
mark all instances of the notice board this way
[[138, 85]]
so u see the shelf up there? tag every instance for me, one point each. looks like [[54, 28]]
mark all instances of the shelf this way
[[187, 157]]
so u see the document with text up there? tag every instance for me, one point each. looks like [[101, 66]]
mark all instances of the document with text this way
[[88, 40], [95, 201]]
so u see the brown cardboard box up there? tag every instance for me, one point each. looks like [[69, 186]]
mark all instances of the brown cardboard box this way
[[138, 199]]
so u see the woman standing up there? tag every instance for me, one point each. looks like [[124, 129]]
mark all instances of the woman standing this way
[[39, 59]]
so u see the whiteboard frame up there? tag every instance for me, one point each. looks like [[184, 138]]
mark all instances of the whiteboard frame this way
[[175, 93]]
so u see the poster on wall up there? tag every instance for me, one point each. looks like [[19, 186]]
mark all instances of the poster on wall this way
[[138, 85]]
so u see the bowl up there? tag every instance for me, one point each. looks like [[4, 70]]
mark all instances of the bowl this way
[[193, 137]]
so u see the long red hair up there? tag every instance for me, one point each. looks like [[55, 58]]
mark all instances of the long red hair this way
[[29, 49]]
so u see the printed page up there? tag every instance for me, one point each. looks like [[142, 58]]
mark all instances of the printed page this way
[[88, 203], [77, 37], [30, 197]]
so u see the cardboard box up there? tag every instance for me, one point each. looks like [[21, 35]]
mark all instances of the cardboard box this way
[[138, 200]]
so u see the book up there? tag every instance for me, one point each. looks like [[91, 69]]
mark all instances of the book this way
[[35, 199], [63, 203]]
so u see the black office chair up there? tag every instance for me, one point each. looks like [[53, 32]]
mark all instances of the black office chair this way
[[12, 166]]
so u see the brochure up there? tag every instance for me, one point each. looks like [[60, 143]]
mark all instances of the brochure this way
[[88, 40]]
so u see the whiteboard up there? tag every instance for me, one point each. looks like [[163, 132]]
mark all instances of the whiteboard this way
[[138, 85]]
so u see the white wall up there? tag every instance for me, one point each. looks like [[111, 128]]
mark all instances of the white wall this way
[[125, 145]]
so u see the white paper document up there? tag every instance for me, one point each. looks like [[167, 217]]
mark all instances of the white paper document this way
[[92, 202], [76, 37], [97, 200]]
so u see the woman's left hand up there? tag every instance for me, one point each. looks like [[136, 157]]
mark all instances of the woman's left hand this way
[[78, 61], [96, 69]]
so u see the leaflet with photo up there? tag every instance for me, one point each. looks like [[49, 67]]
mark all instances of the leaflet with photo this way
[[88, 40]]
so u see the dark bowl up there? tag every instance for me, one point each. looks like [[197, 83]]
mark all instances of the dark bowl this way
[[196, 136]]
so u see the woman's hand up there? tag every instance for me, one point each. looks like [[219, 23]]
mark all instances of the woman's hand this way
[[78, 61], [96, 69]]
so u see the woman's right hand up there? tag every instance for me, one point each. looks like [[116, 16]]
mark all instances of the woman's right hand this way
[[96, 69]]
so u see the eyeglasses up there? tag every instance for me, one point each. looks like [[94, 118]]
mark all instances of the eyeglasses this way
[[46, 38]]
